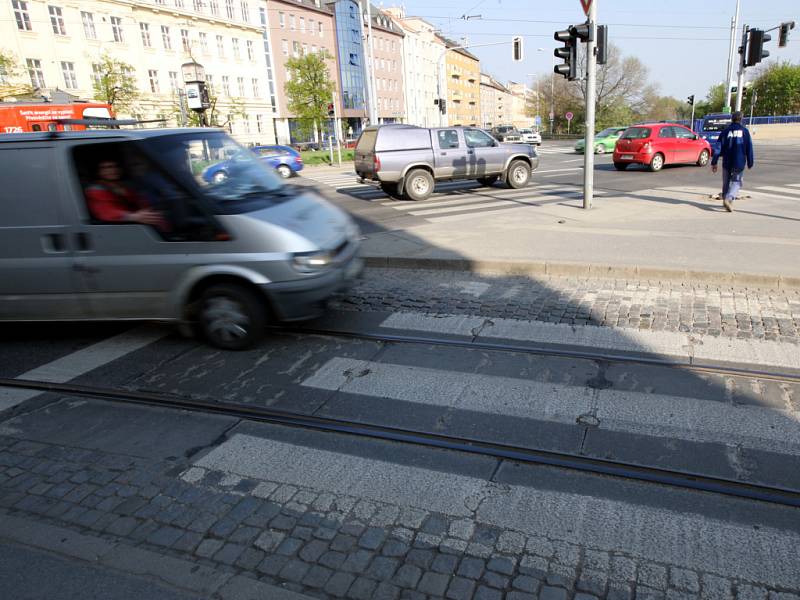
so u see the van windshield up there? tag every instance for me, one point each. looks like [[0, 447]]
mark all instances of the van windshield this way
[[229, 175]]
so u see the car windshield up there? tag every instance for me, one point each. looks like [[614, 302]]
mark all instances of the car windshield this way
[[526, 131], [608, 132], [636, 133], [716, 123], [505, 129], [227, 174]]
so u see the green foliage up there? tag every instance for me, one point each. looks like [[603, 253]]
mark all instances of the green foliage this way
[[12, 77], [115, 84], [309, 89], [778, 90], [323, 157]]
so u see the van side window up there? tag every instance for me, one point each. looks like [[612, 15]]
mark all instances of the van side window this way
[[448, 138], [122, 186], [27, 194]]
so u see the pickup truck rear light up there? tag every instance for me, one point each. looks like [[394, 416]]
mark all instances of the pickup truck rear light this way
[[376, 164]]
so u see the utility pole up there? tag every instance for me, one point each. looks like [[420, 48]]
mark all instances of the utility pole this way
[[591, 81], [337, 128], [742, 64], [731, 59]]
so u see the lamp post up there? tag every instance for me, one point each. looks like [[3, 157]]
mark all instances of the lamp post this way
[[194, 76]]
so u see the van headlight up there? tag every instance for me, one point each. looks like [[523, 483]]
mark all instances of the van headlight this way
[[312, 262]]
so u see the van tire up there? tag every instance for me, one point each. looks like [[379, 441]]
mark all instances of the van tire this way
[[391, 190], [488, 181], [518, 174], [419, 185], [231, 316]]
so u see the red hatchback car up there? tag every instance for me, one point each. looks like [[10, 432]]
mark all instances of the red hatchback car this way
[[659, 144]]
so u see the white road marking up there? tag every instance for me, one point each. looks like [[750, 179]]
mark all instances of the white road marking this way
[[82, 361], [781, 190], [558, 170]]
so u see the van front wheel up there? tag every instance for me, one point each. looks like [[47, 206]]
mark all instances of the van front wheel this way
[[231, 316]]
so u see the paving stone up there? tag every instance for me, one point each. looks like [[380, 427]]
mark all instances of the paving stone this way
[[511, 542], [435, 525], [317, 576], [362, 589], [502, 564], [165, 536], [715, 588], [460, 588], [229, 553], [372, 538], [412, 517], [382, 568], [683, 579], [339, 584], [471, 568], [324, 533], [412, 595], [485, 593], [623, 569], [269, 540], [224, 527], [289, 547], [526, 584], [593, 582], [652, 575], [407, 576], [244, 535], [294, 570], [673, 594], [283, 522], [250, 559], [495, 580], [644, 592], [332, 559], [208, 547], [312, 551], [272, 565], [358, 561], [427, 541], [420, 558], [535, 566], [386, 591], [552, 593], [515, 595], [618, 591], [343, 543], [462, 529], [585, 596], [433, 584], [364, 509]]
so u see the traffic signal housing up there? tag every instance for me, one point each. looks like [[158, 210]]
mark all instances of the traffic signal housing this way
[[755, 47], [442, 106], [602, 44], [568, 53], [783, 35], [331, 111], [690, 100], [516, 44]]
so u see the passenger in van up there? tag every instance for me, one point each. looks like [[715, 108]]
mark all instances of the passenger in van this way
[[111, 200]]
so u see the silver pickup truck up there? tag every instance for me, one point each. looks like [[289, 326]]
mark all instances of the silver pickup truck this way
[[406, 161]]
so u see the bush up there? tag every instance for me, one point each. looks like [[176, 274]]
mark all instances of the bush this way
[[323, 157]]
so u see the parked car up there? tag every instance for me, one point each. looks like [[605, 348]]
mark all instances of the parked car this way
[[659, 144], [530, 136], [506, 133], [604, 141], [285, 160], [406, 161], [220, 258]]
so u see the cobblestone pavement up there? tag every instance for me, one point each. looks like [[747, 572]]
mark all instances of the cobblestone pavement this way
[[325, 545], [694, 308]]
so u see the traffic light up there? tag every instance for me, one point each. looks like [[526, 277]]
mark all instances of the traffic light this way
[[755, 47], [783, 36], [690, 100], [584, 32], [568, 53], [331, 111], [516, 44], [442, 106], [602, 44]]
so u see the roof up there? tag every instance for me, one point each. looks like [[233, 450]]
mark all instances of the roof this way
[[378, 18], [309, 4], [103, 133], [451, 44]]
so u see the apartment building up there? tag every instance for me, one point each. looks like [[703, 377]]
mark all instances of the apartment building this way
[[522, 104], [496, 102], [463, 77], [421, 51], [60, 44], [387, 51]]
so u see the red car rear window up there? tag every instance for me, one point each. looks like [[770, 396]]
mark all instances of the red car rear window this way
[[636, 133]]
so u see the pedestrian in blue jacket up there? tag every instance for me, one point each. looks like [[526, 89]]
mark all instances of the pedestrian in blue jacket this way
[[736, 149]]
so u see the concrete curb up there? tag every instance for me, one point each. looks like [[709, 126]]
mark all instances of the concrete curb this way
[[560, 269], [168, 570]]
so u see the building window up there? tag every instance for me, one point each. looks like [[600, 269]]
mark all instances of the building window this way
[[229, 8], [285, 47], [320, 28], [88, 26], [250, 54], [302, 25], [220, 47], [260, 123], [313, 48], [187, 47], [197, 5], [210, 83], [203, 42], [292, 24], [178, 3], [97, 74], [68, 70], [240, 86], [226, 85], [35, 72], [165, 38], [246, 118], [116, 29], [235, 44], [173, 81], [152, 75], [144, 28], [296, 49], [256, 92], [245, 11], [57, 20], [282, 20], [214, 6], [21, 15]]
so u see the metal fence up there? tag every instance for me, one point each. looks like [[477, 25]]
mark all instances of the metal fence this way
[[698, 123]]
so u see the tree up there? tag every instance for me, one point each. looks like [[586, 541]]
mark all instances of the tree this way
[[115, 84], [778, 90], [309, 90], [214, 113], [10, 75]]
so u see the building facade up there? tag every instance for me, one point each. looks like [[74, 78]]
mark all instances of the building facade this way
[[421, 51], [496, 102], [523, 101], [463, 80], [387, 51], [60, 45]]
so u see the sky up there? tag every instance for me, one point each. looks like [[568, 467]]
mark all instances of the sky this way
[[683, 43]]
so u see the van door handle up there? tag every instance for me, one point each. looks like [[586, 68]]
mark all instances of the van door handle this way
[[83, 241], [53, 243], [470, 151]]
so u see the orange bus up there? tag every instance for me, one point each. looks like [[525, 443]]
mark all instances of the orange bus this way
[[20, 117]]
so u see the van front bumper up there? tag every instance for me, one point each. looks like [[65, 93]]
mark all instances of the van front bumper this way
[[305, 299]]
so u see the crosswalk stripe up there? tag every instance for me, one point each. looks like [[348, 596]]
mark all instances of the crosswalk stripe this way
[[438, 211], [526, 196], [797, 185], [782, 190]]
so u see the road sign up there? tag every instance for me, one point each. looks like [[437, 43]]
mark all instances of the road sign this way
[[569, 116], [537, 120], [586, 4]]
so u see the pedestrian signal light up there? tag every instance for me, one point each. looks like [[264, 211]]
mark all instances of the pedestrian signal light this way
[[331, 111], [568, 53], [690, 100], [602, 44], [783, 36], [755, 47], [442, 106], [516, 44]]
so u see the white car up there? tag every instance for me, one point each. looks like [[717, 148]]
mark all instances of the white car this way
[[530, 136]]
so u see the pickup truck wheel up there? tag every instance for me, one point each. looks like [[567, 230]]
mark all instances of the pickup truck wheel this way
[[519, 174], [419, 185], [488, 181], [231, 316], [390, 189]]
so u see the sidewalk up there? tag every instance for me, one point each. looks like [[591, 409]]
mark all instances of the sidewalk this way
[[655, 234]]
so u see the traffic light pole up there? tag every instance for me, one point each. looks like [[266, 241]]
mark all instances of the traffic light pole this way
[[742, 62], [731, 58], [591, 82]]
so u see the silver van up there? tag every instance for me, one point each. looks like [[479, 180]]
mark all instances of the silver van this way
[[132, 224], [406, 161]]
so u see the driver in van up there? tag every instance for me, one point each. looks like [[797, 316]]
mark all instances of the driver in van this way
[[111, 200]]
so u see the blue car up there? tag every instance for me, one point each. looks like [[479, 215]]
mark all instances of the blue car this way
[[286, 161]]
